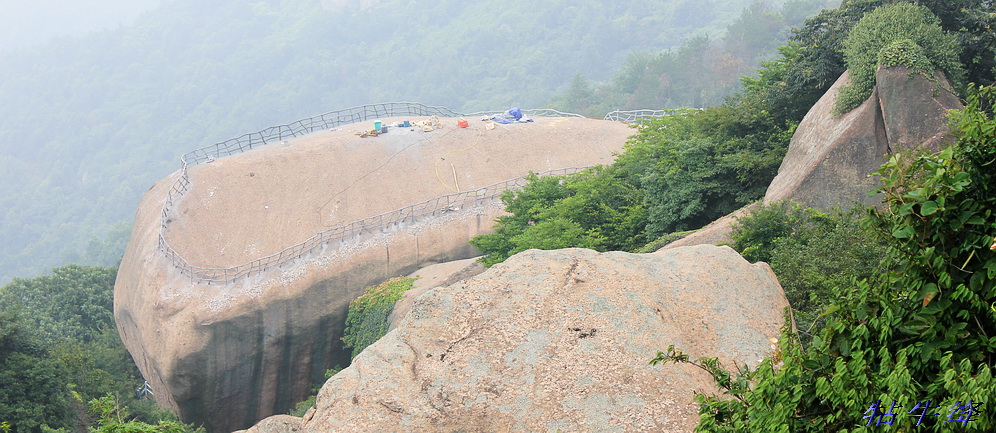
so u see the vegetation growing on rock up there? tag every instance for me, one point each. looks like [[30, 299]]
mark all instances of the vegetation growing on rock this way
[[872, 39], [367, 320], [922, 331]]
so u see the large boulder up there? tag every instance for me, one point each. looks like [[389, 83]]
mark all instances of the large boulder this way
[[559, 341], [831, 157], [229, 354]]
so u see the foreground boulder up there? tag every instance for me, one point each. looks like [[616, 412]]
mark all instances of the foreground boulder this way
[[227, 354], [558, 341]]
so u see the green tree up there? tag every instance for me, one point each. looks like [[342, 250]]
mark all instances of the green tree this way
[[33, 390], [601, 208], [74, 302], [710, 163], [115, 418], [524, 207], [815, 255], [69, 313]]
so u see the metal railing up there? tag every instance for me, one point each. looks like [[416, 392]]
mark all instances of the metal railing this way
[[334, 119], [330, 120], [382, 222], [631, 116], [385, 222]]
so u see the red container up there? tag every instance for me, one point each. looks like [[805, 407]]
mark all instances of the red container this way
[[462, 123]]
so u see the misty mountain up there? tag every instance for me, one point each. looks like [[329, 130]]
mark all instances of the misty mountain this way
[[89, 123], [27, 24]]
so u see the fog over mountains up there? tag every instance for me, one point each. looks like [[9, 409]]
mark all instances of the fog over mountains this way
[[90, 121]]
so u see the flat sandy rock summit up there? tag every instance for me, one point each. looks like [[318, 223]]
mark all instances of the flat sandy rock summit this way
[[257, 203], [557, 341], [232, 351]]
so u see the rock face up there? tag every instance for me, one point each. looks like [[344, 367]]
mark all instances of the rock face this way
[[831, 158], [228, 355], [716, 232], [559, 341], [429, 277]]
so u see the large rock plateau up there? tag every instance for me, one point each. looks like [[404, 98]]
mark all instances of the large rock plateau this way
[[557, 341], [831, 158], [227, 355]]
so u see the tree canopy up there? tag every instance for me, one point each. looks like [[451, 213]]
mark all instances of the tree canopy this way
[[60, 350]]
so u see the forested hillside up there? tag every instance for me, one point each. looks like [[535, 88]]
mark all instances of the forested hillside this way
[[89, 123], [62, 364], [28, 24], [702, 72]]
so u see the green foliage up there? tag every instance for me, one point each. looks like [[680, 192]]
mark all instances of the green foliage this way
[[663, 240], [754, 236], [873, 37], [601, 208], [74, 302], [68, 317], [905, 52], [114, 418], [32, 389], [922, 330], [71, 312], [815, 255], [367, 321], [708, 163], [302, 407], [732, 385]]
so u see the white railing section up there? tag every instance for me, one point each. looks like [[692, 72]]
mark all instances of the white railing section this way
[[631, 116]]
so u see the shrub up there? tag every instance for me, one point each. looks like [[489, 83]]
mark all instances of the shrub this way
[[815, 255], [874, 35], [662, 241], [366, 321]]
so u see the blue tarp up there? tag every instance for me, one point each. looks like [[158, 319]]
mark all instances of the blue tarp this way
[[513, 115]]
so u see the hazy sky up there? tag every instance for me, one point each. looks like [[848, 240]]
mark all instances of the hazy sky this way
[[25, 23]]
